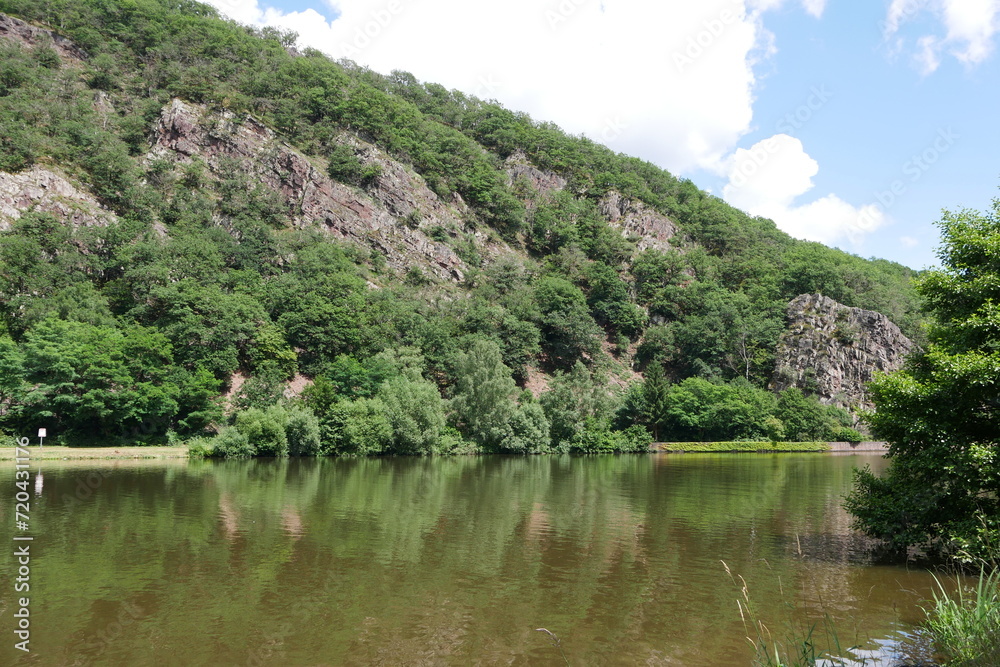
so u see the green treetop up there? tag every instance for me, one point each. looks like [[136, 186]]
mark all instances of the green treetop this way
[[940, 413]]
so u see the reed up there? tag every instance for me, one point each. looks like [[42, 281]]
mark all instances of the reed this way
[[965, 625], [796, 646]]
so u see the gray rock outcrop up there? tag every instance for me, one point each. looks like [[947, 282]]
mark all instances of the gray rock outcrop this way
[[832, 350], [44, 191], [636, 220], [519, 169], [390, 215], [19, 31]]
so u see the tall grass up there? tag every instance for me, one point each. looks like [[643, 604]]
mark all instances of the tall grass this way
[[796, 646], [965, 626]]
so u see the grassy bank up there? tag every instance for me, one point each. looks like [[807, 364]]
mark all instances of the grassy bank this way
[[965, 625], [736, 447], [59, 452]]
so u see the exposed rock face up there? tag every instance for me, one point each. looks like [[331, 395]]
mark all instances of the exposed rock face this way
[[18, 31], [518, 168], [41, 190], [391, 215], [633, 218], [833, 350]]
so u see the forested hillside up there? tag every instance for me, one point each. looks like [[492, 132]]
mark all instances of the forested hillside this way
[[206, 230]]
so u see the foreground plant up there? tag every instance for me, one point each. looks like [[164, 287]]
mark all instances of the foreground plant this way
[[798, 647], [965, 625]]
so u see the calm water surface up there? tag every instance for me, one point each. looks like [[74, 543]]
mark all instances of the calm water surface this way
[[443, 561]]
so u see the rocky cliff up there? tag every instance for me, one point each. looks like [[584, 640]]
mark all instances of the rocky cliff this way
[[17, 30], [394, 214], [45, 191], [832, 350], [638, 222]]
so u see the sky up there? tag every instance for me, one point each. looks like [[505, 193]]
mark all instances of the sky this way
[[849, 122]]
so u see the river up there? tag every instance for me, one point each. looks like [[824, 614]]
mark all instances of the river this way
[[445, 561]]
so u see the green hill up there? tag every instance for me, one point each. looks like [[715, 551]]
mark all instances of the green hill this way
[[198, 219]]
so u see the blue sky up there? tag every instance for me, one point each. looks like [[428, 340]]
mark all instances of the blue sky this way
[[847, 122]]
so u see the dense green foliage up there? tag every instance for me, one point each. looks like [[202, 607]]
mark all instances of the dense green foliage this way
[[700, 410], [134, 330], [940, 413]]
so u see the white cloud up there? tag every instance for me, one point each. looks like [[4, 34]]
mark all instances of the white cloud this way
[[972, 24], [672, 82], [970, 30], [909, 241], [813, 7], [928, 55], [767, 179], [900, 11]]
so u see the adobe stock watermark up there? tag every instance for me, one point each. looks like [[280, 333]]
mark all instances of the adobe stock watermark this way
[[371, 29], [797, 119], [128, 615], [557, 14], [22, 545], [907, 11], [791, 122], [711, 31], [612, 129], [913, 170], [488, 87]]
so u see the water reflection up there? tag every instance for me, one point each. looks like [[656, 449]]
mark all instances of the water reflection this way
[[451, 561]]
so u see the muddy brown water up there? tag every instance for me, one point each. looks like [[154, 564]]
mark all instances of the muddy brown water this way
[[445, 561]]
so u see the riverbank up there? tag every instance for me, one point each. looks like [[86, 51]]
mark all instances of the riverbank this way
[[62, 453], [766, 447]]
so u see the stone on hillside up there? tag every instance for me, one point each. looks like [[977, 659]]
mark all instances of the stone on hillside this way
[[833, 351]]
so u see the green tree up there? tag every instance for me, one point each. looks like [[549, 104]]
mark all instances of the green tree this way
[[574, 398], [93, 381], [701, 410], [941, 413], [806, 419], [529, 430], [12, 384], [655, 399], [415, 410], [359, 427], [483, 401], [569, 333], [344, 164], [265, 430], [302, 431], [484, 408], [609, 301]]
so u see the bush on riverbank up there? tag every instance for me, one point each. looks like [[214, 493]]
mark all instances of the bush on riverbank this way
[[940, 412], [391, 407], [965, 626], [704, 410]]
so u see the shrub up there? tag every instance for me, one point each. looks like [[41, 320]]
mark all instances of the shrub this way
[[302, 432], [415, 410], [848, 434], [344, 165], [358, 427], [231, 444], [265, 429]]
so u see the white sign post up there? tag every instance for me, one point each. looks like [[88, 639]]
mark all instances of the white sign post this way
[[41, 436]]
